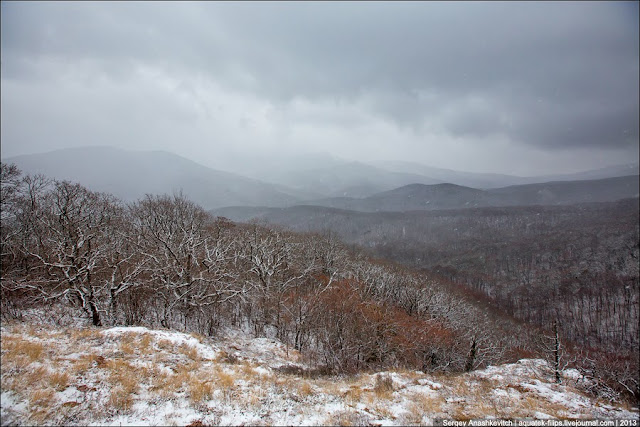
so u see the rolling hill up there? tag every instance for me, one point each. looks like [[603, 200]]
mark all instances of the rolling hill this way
[[451, 196], [347, 179], [418, 197], [130, 175], [237, 379], [566, 192], [493, 180]]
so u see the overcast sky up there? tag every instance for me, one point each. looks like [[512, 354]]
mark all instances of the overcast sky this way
[[521, 88]]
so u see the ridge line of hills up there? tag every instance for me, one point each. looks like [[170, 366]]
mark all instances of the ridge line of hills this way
[[355, 186]]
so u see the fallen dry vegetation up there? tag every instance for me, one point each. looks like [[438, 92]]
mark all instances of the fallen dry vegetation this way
[[106, 376]]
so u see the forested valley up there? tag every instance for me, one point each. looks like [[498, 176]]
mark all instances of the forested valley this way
[[577, 264], [447, 291]]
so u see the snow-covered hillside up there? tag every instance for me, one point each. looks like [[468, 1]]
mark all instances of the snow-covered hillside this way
[[137, 376]]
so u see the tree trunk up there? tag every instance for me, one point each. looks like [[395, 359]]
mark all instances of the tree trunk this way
[[556, 353], [95, 315], [472, 356]]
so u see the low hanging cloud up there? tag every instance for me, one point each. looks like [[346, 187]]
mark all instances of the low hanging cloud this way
[[447, 82]]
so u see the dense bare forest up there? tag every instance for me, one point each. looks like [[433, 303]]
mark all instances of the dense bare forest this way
[[164, 261], [574, 266], [578, 263]]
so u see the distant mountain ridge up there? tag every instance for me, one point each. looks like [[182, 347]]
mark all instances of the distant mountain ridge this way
[[329, 182], [567, 192], [419, 197], [130, 175], [330, 177], [348, 179], [452, 196], [494, 180]]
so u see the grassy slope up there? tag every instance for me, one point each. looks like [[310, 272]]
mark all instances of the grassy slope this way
[[137, 376]]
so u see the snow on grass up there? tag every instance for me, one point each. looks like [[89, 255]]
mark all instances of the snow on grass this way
[[176, 338], [139, 376], [556, 393]]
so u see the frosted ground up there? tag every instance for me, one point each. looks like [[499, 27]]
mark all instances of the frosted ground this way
[[137, 376]]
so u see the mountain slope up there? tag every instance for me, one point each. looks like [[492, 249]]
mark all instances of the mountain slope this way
[[467, 179], [352, 179], [606, 172], [493, 180], [451, 196], [129, 175], [410, 197], [566, 192], [140, 376]]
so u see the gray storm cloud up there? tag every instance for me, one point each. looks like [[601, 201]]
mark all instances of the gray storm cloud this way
[[436, 81]]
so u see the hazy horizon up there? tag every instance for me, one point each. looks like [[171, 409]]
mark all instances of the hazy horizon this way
[[310, 155], [523, 89]]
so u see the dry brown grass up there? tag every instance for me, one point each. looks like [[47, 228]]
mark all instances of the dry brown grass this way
[[333, 388], [189, 351], [178, 380], [126, 348], [456, 385], [120, 399], [524, 407], [381, 410], [484, 386], [200, 379], [145, 343], [253, 397], [18, 355], [85, 334], [41, 404], [292, 384], [15, 362], [85, 362], [8, 342], [33, 379], [39, 416], [8, 382], [165, 385], [478, 400], [225, 381], [166, 345], [346, 418], [162, 357], [36, 331], [146, 371], [266, 378], [201, 338], [305, 389], [353, 395], [32, 350], [192, 366], [225, 357], [248, 372], [129, 337], [123, 375], [383, 387], [472, 409], [199, 390], [129, 343], [421, 405], [41, 397], [160, 385], [409, 373], [530, 404]]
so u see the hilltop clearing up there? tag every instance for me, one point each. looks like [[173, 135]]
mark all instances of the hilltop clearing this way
[[140, 376]]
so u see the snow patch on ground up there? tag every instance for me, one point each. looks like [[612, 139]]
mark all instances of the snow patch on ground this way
[[247, 385]]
